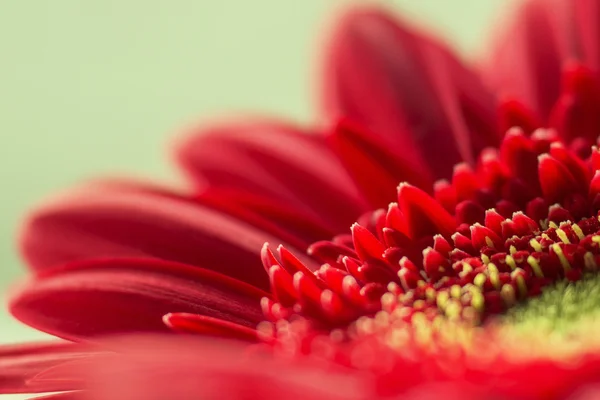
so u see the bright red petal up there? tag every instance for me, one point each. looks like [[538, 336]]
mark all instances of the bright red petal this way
[[408, 89], [126, 295]]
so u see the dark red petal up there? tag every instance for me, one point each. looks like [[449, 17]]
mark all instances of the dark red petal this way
[[587, 25], [555, 179], [526, 61], [576, 114], [127, 295], [408, 89], [278, 218], [512, 113], [424, 216], [92, 222], [201, 324], [21, 363], [274, 160], [377, 169]]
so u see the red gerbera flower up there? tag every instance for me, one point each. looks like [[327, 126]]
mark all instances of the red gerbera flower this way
[[478, 278]]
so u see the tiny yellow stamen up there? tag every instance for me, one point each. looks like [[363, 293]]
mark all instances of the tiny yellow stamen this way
[[455, 291], [521, 285], [442, 300], [485, 259], [510, 261], [552, 224], [419, 304], [453, 310], [478, 301], [545, 236], [578, 231], [465, 270], [508, 295], [535, 245], [480, 280], [430, 294], [512, 249], [561, 256], [489, 242], [562, 235], [535, 266]]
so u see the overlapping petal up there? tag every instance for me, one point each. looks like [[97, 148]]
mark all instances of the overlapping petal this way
[[122, 221], [187, 368], [94, 297], [277, 161], [21, 363], [423, 104]]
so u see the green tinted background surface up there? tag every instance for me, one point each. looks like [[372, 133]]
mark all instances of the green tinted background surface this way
[[91, 88]]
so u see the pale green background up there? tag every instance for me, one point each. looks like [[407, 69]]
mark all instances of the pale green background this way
[[96, 87]]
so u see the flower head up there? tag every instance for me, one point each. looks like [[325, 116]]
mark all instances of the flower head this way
[[472, 267]]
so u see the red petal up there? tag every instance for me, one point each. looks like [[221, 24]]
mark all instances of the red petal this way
[[158, 368], [409, 89], [101, 222], [424, 216], [277, 161], [123, 295], [526, 61], [375, 168], [587, 24], [275, 217], [201, 324], [19, 364], [576, 114], [555, 179]]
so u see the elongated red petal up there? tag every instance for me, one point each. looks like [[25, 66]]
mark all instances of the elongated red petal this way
[[408, 89], [424, 216], [19, 364], [126, 295], [587, 17], [274, 160], [278, 218], [526, 60], [375, 168], [201, 324], [117, 222]]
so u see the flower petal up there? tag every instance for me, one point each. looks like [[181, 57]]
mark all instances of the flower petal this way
[[278, 218], [19, 364], [587, 23], [527, 57], [100, 221], [102, 296], [409, 89], [200, 324], [376, 169], [158, 368], [276, 161]]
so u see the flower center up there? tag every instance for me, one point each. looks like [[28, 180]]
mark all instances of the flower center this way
[[559, 309], [524, 219]]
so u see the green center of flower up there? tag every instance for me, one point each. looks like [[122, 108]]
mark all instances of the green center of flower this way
[[560, 308]]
